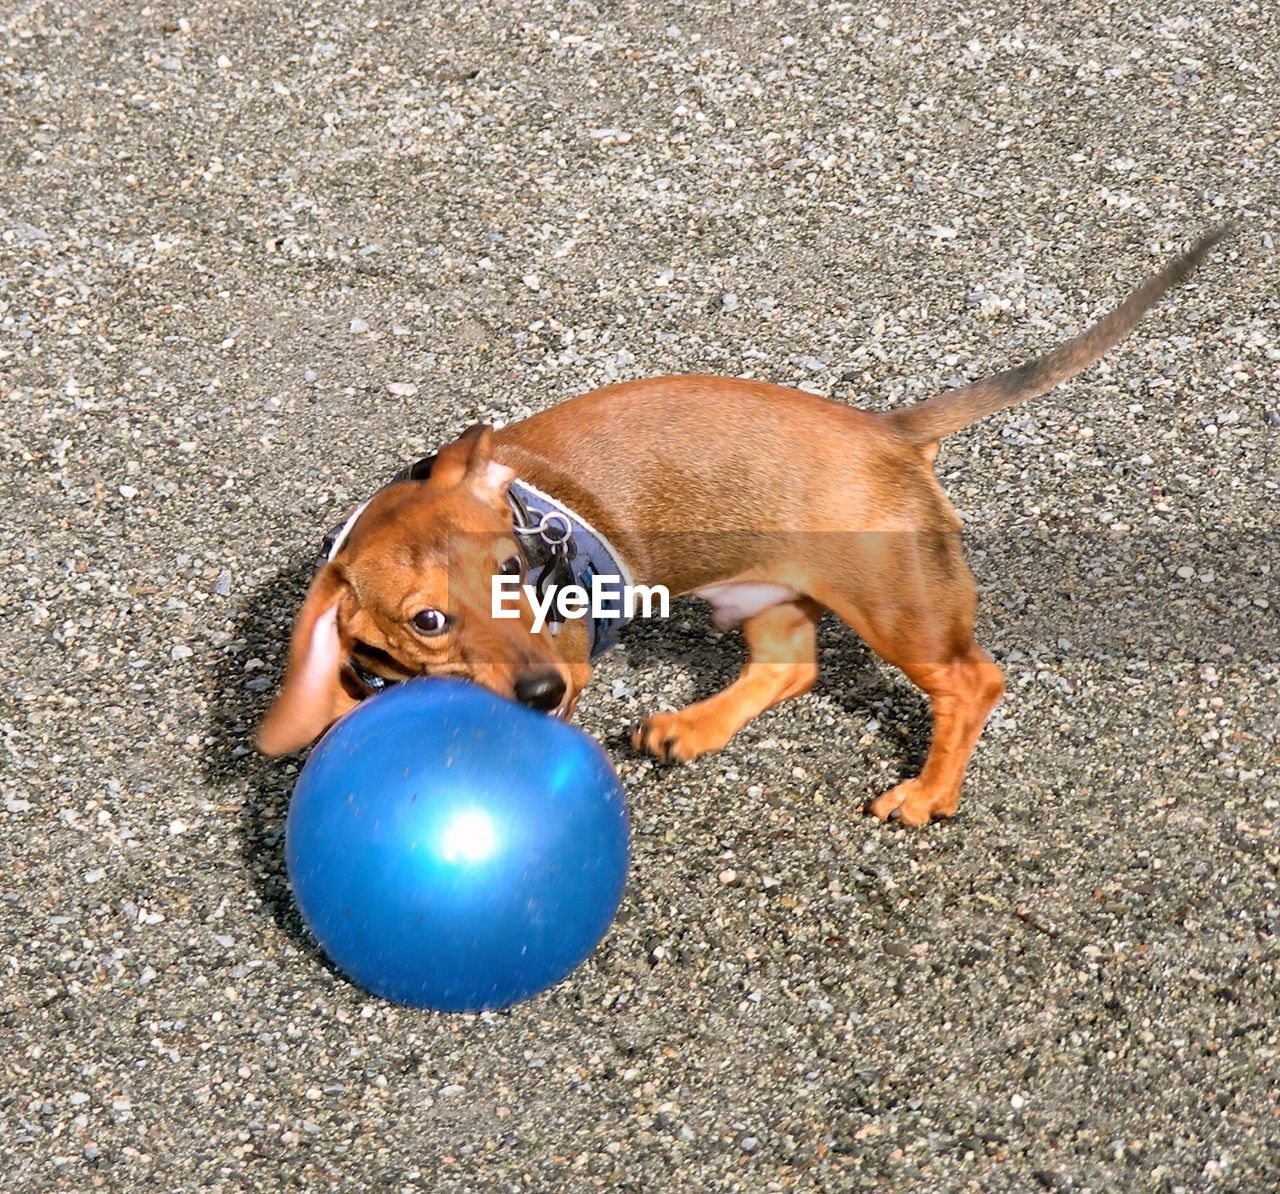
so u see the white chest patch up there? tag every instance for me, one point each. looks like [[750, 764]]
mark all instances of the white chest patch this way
[[736, 601]]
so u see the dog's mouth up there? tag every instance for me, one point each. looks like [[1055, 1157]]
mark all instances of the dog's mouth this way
[[367, 664]]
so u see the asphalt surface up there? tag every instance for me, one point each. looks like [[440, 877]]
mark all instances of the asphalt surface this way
[[224, 232]]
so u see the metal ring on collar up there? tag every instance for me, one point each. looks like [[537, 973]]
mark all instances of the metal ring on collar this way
[[553, 528]]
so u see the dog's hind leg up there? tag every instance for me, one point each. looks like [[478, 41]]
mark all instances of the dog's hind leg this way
[[918, 614], [783, 662], [962, 691]]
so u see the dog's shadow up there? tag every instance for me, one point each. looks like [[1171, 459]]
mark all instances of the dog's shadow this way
[[860, 684], [249, 668], [240, 691], [851, 676]]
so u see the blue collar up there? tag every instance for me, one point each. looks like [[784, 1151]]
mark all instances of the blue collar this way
[[544, 527], [590, 554]]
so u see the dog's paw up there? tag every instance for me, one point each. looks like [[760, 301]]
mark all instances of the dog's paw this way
[[912, 803], [676, 737]]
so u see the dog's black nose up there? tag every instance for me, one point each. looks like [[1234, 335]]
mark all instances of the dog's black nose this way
[[540, 690]]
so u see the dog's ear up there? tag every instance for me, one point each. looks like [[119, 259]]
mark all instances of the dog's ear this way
[[312, 696], [469, 460]]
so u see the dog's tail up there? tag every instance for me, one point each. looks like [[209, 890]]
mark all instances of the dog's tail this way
[[928, 421]]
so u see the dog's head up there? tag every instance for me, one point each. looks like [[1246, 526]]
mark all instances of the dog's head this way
[[409, 592]]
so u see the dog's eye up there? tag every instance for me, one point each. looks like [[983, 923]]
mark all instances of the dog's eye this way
[[430, 622], [511, 566]]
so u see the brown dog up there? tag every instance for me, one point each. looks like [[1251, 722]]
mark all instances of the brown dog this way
[[770, 503]]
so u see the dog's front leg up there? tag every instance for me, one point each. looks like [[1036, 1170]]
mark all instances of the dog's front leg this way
[[783, 662]]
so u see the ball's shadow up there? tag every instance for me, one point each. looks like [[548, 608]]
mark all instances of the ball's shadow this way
[[238, 698]]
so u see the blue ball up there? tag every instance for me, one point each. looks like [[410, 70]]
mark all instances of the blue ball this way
[[450, 849]]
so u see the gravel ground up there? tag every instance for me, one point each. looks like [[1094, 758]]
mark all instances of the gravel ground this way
[[252, 259]]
